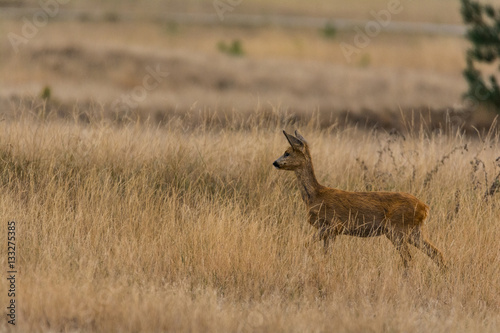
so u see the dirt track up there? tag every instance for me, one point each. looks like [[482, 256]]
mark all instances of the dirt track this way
[[246, 20]]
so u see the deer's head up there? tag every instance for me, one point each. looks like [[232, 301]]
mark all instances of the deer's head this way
[[296, 156]]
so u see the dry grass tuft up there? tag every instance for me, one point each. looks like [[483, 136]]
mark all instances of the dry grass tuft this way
[[140, 227]]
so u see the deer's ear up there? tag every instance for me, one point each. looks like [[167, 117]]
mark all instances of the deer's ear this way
[[300, 137], [294, 142]]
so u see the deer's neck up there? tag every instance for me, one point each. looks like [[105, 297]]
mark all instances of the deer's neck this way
[[308, 184]]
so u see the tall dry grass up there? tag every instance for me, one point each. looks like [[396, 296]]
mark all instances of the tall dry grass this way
[[139, 227]]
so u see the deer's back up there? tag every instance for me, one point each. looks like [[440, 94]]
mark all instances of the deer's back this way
[[373, 210]]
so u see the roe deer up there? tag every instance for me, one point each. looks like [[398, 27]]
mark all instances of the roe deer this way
[[398, 216]]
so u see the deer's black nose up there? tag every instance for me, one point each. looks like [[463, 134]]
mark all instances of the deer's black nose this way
[[276, 165]]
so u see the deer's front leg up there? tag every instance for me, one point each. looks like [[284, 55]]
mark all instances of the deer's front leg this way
[[323, 230], [309, 243], [326, 235], [322, 235]]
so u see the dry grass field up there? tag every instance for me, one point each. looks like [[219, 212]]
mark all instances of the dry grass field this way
[[140, 227]]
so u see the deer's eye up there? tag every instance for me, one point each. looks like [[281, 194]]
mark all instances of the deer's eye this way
[[286, 154]]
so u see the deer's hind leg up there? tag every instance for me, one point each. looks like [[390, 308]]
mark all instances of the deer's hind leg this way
[[418, 239], [400, 241]]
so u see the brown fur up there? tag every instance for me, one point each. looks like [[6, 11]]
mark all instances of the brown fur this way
[[398, 216]]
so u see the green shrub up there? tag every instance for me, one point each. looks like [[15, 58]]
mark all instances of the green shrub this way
[[234, 48], [329, 31], [46, 93]]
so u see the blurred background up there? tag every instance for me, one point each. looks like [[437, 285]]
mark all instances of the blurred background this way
[[369, 60]]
